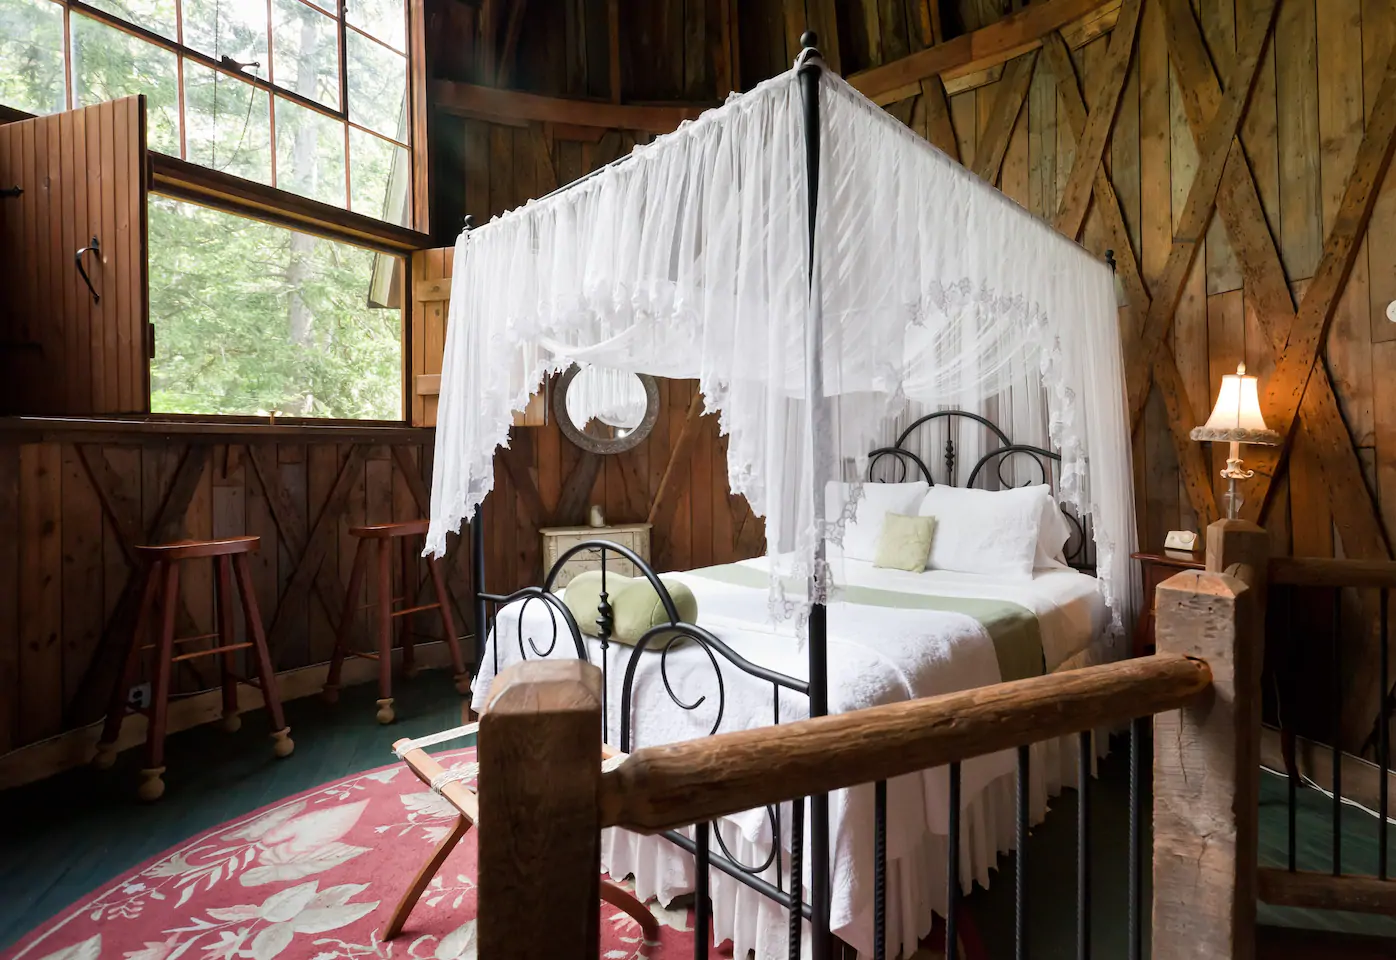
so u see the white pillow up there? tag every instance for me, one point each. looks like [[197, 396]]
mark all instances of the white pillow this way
[[992, 532], [862, 533], [1053, 534]]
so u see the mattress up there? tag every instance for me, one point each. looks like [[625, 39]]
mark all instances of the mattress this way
[[876, 655]]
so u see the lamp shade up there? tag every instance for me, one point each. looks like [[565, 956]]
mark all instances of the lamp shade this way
[[1237, 417]]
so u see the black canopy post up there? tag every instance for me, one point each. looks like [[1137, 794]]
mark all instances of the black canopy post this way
[[810, 66]]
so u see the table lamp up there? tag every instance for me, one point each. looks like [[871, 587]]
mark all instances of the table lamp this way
[[1236, 419]]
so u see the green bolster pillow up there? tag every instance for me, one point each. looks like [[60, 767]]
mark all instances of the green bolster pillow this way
[[635, 604]]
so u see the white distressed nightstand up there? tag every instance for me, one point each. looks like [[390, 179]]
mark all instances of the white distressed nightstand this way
[[558, 540]]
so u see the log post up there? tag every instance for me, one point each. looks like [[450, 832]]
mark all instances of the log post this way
[[1207, 755], [540, 838]]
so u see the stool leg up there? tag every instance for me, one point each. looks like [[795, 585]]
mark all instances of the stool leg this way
[[346, 623], [266, 673], [448, 623], [409, 599], [223, 602], [116, 706], [385, 633], [152, 786]]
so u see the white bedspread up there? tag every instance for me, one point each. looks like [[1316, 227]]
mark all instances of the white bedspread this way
[[876, 655]]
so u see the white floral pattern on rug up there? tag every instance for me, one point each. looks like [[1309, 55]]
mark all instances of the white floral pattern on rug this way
[[314, 877]]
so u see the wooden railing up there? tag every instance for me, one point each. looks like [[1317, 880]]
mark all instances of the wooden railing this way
[[544, 798], [1337, 889]]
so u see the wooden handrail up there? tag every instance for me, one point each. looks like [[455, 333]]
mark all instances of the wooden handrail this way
[[660, 788], [1326, 572]]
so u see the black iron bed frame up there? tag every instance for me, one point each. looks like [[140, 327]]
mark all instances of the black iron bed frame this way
[[675, 631]]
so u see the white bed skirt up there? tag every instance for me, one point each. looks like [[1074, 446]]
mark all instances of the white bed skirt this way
[[916, 873]]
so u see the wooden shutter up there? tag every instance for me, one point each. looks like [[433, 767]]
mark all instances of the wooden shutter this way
[[83, 174]]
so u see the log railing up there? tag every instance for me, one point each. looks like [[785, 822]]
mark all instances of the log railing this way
[[544, 798], [1300, 583]]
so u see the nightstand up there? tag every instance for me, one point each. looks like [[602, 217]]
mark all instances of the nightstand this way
[[558, 540], [1156, 568]]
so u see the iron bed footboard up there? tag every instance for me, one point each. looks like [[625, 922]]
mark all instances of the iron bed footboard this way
[[659, 641]]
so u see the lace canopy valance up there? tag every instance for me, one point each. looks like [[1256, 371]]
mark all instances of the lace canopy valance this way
[[689, 259]]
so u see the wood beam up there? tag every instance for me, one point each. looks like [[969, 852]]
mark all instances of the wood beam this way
[[1192, 465], [95, 686], [1303, 348], [1090, 147], [505, 72], [1267, 289], [940, 130], [1214, 147], [1012, 93], [519, 109], [999, 42], [672, 483]]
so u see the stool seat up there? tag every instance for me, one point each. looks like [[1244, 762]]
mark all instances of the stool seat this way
[[193, 549], [387, 531]]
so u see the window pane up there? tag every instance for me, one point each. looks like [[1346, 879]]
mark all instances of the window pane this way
[[309, 153], [379, 173], [306, 47], [228, 123], [252, 318], [377, 86], [384, 19], [154, 15], [108, 64], [231, 28], [31, 56]]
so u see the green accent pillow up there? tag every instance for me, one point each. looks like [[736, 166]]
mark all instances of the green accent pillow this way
[[583, 595], [905, 543], [635, 604], [637, 607]]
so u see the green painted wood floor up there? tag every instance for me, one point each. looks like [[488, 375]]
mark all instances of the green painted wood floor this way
[[68, 835]]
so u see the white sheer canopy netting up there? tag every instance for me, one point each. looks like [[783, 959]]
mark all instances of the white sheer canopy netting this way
[[689, 260]]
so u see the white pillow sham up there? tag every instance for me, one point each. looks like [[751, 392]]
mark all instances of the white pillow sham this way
[[861, 534], [1053, 534], [991, 532]]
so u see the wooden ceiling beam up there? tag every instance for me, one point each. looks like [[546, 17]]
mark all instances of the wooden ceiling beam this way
[[1001, 41], [518, 109], [1012, 93]]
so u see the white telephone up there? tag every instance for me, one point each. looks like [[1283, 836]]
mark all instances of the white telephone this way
[[1181, 540]]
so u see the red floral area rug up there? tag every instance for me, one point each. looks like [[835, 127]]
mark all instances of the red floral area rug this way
[[315, 877]]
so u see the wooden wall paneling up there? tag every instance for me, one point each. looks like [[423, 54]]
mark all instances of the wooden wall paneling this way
[[1013, 176], [723, 520], [75, 333], [1124, 155], [83, 613], [1340, 122], [1042, 143], [196, 583], [264, 563], [1225, 347], [1007, 103], [681, 398], [1077, 189], [10, 730], [1218, 19], [1158, 464], [1300, 149], [703, 473], [106, 168], [291, 473], [1094, 60], [349, 468], [55, 355], [1378, 40], [40, 591], [964, 118], [229, 501]]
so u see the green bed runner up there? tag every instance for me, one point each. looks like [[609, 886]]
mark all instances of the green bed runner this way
[[1013, 628]]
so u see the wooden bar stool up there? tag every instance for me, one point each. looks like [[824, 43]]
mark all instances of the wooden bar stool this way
[[162, 576], [381, 534]]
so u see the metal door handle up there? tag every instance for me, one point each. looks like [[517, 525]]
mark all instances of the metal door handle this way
[[95, 247]]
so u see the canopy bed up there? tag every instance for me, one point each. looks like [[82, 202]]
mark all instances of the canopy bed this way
[[822, 272]]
